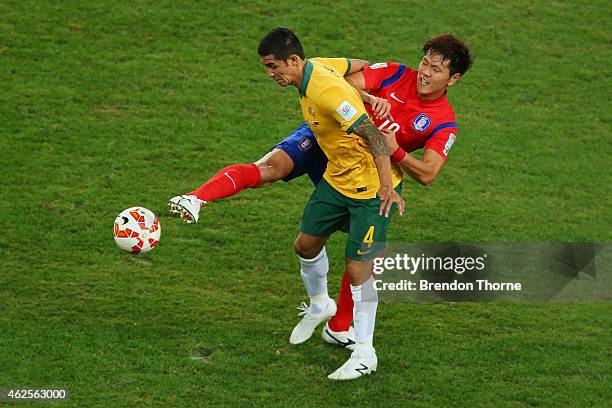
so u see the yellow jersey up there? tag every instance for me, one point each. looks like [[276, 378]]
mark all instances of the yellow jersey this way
[[333, 108]]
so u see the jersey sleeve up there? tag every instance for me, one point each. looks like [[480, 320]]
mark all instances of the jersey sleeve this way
[[344, 104], [442, 140], [340, 65], [375, 75]]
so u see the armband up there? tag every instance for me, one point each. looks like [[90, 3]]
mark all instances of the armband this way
[[398, 155]]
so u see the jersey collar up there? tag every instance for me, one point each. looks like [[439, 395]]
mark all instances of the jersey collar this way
[[306, 78]]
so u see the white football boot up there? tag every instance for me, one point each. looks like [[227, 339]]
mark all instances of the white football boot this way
[[188, 206], [340, 338], [310, 321], [358, 365]]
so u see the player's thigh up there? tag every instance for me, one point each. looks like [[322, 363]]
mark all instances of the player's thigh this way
[[306, 157], [367, 235], [325, 212]]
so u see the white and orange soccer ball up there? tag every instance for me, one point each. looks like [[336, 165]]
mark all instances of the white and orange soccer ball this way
[[136, 230]]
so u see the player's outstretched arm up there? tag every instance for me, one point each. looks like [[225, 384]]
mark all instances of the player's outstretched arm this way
[[380, 152], [422, 171]]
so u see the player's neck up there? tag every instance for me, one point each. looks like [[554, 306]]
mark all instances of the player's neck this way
[[432, 96], [300, 73]]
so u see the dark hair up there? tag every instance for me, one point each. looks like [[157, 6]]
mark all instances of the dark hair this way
[[280, 42], [451, 48]]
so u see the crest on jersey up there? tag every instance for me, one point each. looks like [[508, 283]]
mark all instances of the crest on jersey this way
[[421, 122], [305, 144]]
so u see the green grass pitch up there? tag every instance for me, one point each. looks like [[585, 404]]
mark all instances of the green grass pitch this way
[[106, 105]]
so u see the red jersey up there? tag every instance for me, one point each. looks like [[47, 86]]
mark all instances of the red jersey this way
[[418, 122]]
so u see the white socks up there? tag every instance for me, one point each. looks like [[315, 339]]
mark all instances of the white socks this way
[[314, 275], [365, 298]]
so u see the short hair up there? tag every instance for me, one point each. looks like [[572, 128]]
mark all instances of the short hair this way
[[280, 42], [450, 48]]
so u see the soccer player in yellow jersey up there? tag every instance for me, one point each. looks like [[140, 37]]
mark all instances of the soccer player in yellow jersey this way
[[357, 193]]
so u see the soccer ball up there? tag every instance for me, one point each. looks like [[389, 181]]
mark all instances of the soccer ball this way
[[136, 230]]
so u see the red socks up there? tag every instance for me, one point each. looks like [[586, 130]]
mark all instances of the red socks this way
[[342, 320], [228, 182]]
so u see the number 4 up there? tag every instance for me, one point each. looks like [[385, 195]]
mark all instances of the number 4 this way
[[369, 236]]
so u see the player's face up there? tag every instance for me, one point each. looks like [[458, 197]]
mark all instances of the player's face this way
[[282, 72], [434, 76]]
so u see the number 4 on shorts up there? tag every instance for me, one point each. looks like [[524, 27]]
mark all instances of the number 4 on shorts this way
[[369, 236]]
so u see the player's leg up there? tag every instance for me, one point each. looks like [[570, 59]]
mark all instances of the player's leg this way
[[313, 270], [276, 165], [363, 359], [287, 160], [367, 239], [226, 182], [231, 180], [338, 329], [314, 266], [322, 216]]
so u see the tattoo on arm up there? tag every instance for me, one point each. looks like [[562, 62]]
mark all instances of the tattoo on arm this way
[[373, 135]]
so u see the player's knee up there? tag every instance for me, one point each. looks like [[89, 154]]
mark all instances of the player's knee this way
[[300, 249], [304, 249], [274, 166], [269, 174]]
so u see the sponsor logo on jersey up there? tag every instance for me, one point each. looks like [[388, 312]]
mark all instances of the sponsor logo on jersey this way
[[346, 110], [421, 122], [449, 144], [305, 144], [311, 110], [378, 65]]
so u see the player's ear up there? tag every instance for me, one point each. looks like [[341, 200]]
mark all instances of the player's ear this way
[[454, 78], [293, 60]]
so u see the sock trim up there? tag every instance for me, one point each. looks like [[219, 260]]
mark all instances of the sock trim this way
[[313, 260]]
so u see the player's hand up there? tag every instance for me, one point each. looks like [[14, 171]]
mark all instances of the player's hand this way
[[390, 139], [388, 196], [381, 108]]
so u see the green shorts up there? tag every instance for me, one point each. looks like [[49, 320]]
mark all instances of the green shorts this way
[[328, 211]]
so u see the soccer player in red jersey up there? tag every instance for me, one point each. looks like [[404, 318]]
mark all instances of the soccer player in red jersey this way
[[417, 115]]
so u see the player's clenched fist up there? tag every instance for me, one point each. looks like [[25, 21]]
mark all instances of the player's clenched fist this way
[[380, 107]]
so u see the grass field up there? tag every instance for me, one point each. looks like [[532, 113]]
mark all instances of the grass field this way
[[108, 105]]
